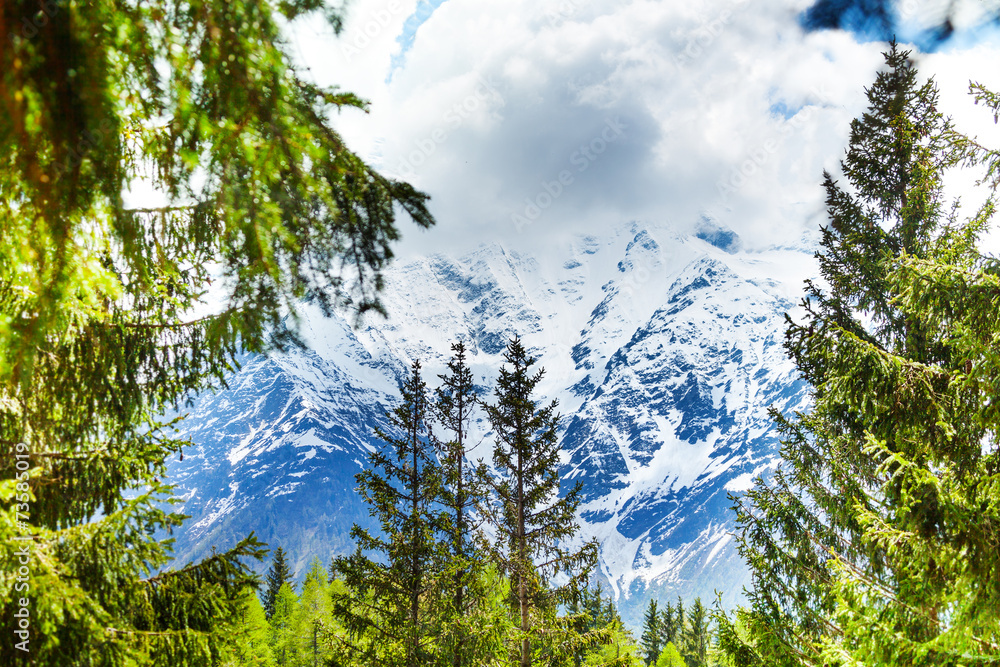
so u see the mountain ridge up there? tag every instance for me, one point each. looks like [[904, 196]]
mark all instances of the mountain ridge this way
[[663, 350]]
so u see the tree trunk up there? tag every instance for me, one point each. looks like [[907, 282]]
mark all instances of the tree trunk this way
[[315, 646], [522, 550], [411, 658], [460, 529]]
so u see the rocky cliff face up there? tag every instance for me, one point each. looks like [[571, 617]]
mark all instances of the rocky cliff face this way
[[663, 351]]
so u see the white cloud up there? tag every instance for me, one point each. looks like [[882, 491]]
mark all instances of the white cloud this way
[[527, 120]]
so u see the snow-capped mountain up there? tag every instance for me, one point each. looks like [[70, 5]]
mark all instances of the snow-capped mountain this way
[[663, 350]]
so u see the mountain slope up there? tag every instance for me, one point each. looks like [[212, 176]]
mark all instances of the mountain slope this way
[[663, 351]]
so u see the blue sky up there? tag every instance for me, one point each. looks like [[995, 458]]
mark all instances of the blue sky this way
[[422, 12], [530, 120]]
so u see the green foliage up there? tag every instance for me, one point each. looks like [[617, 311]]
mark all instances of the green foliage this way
[[688, 632], [488, 626], [530, 521], [282, 638], [696, 636], [672, 623], [306, 631], [311, 621], [594, 633], [249, 643], [876, 541], [617, 648], [733, 644], [670, 657], [199, 102], [278, 575]]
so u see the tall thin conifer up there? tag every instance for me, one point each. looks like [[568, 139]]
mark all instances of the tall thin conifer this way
[[651, 633], [461, 492], [533, 523], [278, 574], [388, 599]]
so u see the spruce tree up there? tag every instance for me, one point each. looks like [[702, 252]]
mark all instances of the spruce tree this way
[[461, 491], [199, 102], [875, 541], [531, 521], [651, 634], [277, 575], [696, 637], [390, 600], [669, 627], [593, 604]]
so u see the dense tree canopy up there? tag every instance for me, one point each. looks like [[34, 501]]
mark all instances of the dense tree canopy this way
[[198, 103]]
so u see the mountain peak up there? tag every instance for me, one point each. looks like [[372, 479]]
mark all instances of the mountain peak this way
[[718, 235]]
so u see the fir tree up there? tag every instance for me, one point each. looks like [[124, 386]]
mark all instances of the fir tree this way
[[389, 600], [530, 520], [873, 544], [201, 103], [278, 575], [651, 636]]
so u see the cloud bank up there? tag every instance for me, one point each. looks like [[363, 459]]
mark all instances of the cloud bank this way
[[529, 121]]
